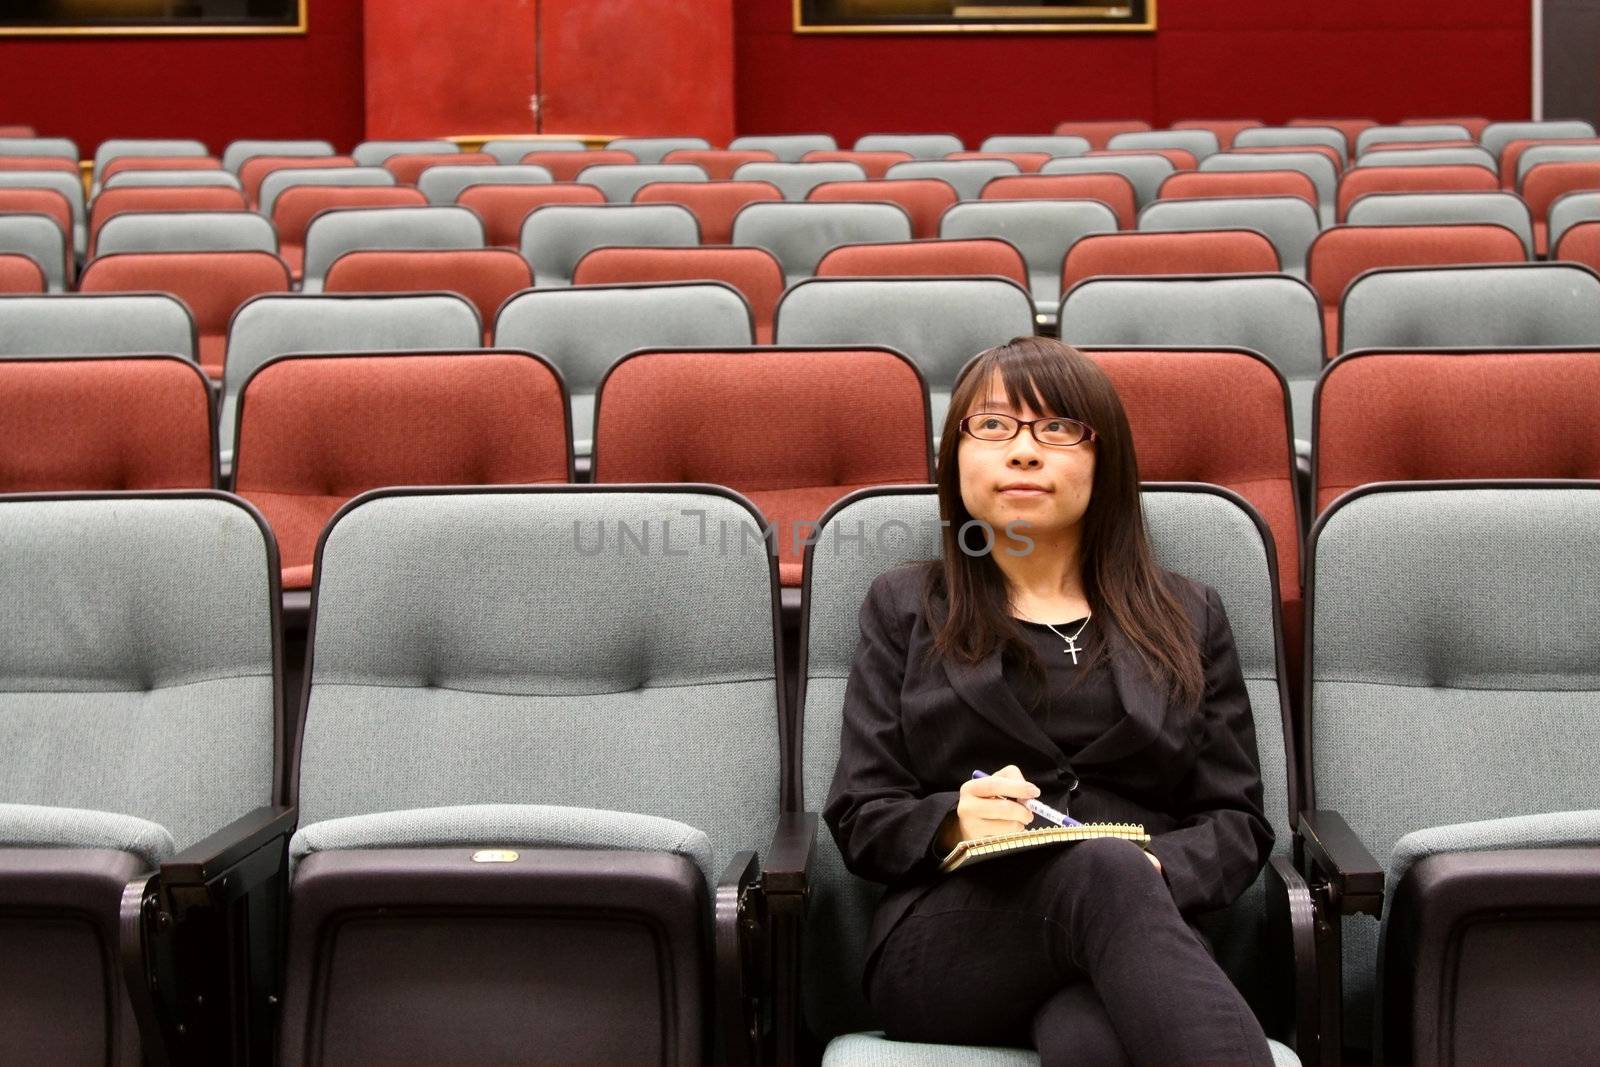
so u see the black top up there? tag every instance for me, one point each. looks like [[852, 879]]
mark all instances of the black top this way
[[1079, 701]]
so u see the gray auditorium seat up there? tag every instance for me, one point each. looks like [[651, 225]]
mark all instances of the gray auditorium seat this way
[[1465, 155], [83, 324], [917, 145], [1399, 209], [442, 185], [1199, 143], [1497, 135], [966, 176], [1042, 230], [52, 147], [1288, 222], [788, 147], [509, 150], [556, 236], [374, 153], [1376, 135], [654, 149], [800, 234], [68, 185], [238, 153], [186, 231], [1319, 168], [1054, 144], [129, 179], [1291, 136], [1145, 172], [619, 181], [288, 177], [797, 179], [40, 238], [334, 233], [118, 147]]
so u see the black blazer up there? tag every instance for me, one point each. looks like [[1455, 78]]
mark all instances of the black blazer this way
[[913, 732]]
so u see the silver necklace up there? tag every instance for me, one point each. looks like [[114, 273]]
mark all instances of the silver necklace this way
[[1072, 648]]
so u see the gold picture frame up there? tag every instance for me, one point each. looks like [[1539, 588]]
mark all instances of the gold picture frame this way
[[192, 30], [965, 16]]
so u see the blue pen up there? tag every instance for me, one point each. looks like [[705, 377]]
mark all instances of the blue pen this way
[[1044, 811]]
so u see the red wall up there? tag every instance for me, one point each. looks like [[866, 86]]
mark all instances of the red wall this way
[[1265, 59]]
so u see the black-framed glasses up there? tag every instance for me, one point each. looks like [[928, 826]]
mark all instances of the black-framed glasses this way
[[1054, 431]]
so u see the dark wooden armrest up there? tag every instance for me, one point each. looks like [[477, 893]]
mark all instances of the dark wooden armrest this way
[[210, 857], [739, 939], [1337, 857], [1298, 984], [787, 867]]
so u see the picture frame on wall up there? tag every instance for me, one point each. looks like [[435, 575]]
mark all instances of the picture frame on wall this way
[[126, 18], [974, 16]]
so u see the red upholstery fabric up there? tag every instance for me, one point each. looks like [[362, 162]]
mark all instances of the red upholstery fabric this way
[[1027, 162], [256, 169], [1512, 152], [1475, 124], [1423, 179], [17, 131], [1112, 190], [503, 208], [925, 199], [1580, 243], [318, 430], [1180, 158], [1351, 128], [50, 203], [1341, 253], [1219, 418], [713, 203], [1098, 133], [1196, 184], [407, 167], [295, 207], [793, 429], [1400, 416], [875, 164], [1412, 146], [113, 202], [66, 166], [20, 274], [1546, 182], [211, 284], [1225, 129], [719, 164], [125, 163], [1190, 252], [485, 276], [125, 422], [564, 166], [755, 272], [936, 258], [1330, 154]]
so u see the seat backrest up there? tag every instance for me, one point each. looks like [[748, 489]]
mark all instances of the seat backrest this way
[[1497, 135], [1144, 171], [253, 173], [924, 200], [1225, 130], [719, 164], [139, 672], [186, 231], [21, 274], [91, 424], [504, 208], [41, 239], [408, 167], [333, 233], [938, 257], [796, 180], [1350, 127], [647, 670], [1547, 182], [800, 234], [1568, 210], [238, 153], [1290, 223], [118, 147], [1443, 156], [565, 164], [1026, 162], [1365, 181], [754, 272], [50, 202], [1199, 184], [1112, 190], [1051, 144], [1197, 531], [654, 149], [1417, 416], [315, 431], [67, 183], [787, 147], [1341, 253], [1580, 243], [125, 164], [1410, 209], [1376, 135], [276, 182], [1322, 171], [1098, 132], [1473, 124], [918, 145], [1198, 143], [1294, 137], [1042, 230], [375, 153], [619, 181], [113, 202], [1514, 304], [872, 164], [40, 146], [966, 176], [442, 185], [510, 150], [556, 236], [714, 203], [1586, 152], [84, 324], [207, 178], [485, 276], [1152, 253]]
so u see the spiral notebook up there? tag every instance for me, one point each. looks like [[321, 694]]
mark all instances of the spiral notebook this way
[[967, 853]]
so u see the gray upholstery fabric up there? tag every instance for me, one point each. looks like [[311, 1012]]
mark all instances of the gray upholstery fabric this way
[[443, 185], [966, 176], [654, 149], [68, 185], [505, 825], [373, 153], [1276, 316], [796, 180], [1453, 672], [1278, 136], [556, 236], [118, 147], [918, 145], [130, 179], [1145, 172], [238, 153], [940, 323], [279, 180], [1549, 830], [1042, 230], [1533, 304], [1569, 210], [491, 648], [619, 181], [801, 234], [38, 237], [1497, 135], [583, 331], [1288, 222], [1428, 157], [510, 150], [1554, 153], [281, 324], [1376, 135], [59, 147], [333, 234], [186, 231], [1399, 209], [875, 1050], [1201, 143], [1055, 144], [1319, 168], [788, 147], [1202, 535], [94, 324], [136, 661], [36, 826]]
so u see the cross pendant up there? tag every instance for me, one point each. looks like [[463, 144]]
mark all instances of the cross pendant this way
[[1072, 649]]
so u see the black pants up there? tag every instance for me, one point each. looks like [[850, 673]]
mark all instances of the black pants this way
[[1077, 951]]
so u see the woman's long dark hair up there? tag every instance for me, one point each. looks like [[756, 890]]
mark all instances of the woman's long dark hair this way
[[1120, 577]]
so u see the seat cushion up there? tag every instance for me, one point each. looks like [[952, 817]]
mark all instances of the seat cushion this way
[[875, 1050], [1560, 829], [38, 826]]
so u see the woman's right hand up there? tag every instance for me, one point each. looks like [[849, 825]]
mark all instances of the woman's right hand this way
[[989, 807]]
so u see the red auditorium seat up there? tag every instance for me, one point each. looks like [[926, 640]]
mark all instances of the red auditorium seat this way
[[112, 423], [719, 164], [17, 131], [503, 208], [485, 276], [1474, 124], [1027, 162], [566, 165], [713, 203], [113, 202], [937, 257], [925, 199], [1113, 190], [1546, 182], [795, 429], [49, 202], [874, 164], [1580, 243], [1512, 153], [126, 163], [407, 167], [1197, 184], [66, 166], [315, 431], [20, 274], [1225, 129], [1157, 253], [755, 272], [296, 206], [1098, 132], [1448, 178], [256, 169]]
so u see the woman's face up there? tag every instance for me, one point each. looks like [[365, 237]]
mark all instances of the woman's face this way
[[1020, 480]]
